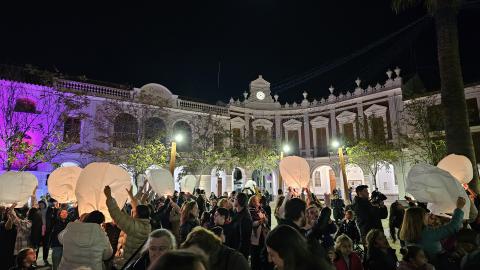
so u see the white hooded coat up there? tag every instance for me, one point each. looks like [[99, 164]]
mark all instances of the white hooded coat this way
[[85, 245]]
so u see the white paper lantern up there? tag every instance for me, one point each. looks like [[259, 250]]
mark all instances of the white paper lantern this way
[[250, 184], [92, 181], [62, 183], [458, 166], [161, 181], [16, 187], [436, 187], [188, 183], [295, 172]]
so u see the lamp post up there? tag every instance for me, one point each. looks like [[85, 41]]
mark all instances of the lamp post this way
[[173, 152], [285, 150], [341, 160]]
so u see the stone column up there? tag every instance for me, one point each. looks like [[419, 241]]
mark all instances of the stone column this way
[[278, 130], [306, 130], [333, 123], [247, 127], [300, 143], [393, 117], [361, 125]]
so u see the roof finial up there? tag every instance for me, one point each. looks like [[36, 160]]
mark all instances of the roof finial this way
[[331, 89], [358, 81]]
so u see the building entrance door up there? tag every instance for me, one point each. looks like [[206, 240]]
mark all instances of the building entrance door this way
[[219, 186]]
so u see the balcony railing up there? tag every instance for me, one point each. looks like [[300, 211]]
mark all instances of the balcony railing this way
[[93, 89], [201, 107]]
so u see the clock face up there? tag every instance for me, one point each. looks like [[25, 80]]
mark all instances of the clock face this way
[[260, 95]]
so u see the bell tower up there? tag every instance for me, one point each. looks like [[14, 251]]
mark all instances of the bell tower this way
[[260, 91]]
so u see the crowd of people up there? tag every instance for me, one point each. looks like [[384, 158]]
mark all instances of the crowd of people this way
[[236, 231]]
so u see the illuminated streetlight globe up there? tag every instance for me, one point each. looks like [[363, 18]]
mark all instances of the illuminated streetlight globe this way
[[286, 148], [335, 144], [178, 138]]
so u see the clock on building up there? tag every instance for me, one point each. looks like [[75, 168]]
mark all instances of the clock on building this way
[[260, 95]]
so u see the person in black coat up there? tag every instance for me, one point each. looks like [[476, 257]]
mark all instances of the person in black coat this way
[[188, 219], [379, 256], [349, 227], [60, 223], [264, 201], [241, 226], [220, 257], [295, 217], [395, 221], [48, 215], [338, 207], [368, 216], [220, 219], [36, 230], [323, 229], [7, 238]]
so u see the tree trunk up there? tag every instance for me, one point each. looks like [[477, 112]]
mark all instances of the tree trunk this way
[[457, 130]]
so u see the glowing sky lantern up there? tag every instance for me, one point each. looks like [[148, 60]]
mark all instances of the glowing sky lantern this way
[[295, 172], [16, 187], [90, 185], [188, 183], [458, 166], [161, 181], [62, 183], [436, 187]]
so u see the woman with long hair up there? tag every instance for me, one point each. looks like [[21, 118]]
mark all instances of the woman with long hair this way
[[288, 250], [188, 219], [277, 212], [415, 230], [380, 256], [259, 231], [395, 220], [25, 259]]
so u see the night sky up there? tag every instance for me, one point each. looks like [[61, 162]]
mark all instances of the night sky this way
[[180, 44]]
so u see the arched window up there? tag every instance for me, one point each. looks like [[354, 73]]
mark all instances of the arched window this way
[[25, 105], [125, 131], [183, 128], [154, 129]]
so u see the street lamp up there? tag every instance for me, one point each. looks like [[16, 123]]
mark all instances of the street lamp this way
[[285, 150], [173, 152], [341, 159], [335, 144]]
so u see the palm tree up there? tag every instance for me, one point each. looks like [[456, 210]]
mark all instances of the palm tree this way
[[457, 130]]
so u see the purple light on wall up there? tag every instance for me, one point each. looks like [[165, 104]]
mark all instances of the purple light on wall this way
[[34, 125]]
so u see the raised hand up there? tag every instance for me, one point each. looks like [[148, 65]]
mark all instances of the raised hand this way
[[107, 191], [130, 191], [461, 202], [12, 206]]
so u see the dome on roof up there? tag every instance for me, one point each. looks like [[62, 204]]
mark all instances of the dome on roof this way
[[155, 90]]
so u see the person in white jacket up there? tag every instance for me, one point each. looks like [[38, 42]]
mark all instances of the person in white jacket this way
[[85, 244]]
